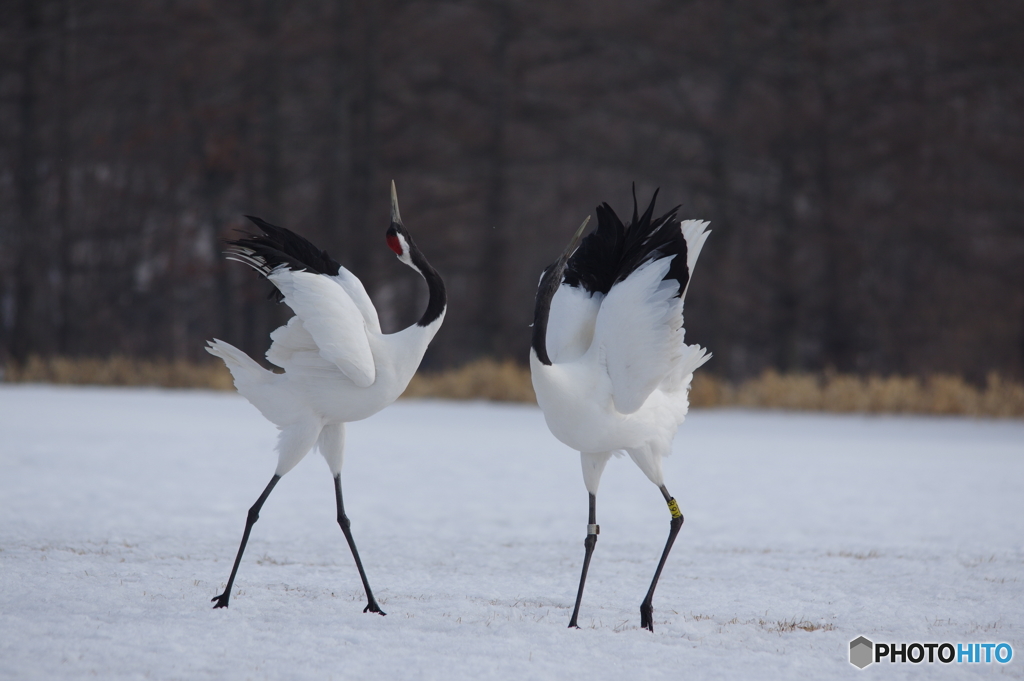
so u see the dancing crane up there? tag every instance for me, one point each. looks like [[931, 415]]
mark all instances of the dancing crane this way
[[608, 362], [338, 365]]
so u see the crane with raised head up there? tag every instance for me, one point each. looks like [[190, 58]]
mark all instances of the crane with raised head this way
[[338, 365]]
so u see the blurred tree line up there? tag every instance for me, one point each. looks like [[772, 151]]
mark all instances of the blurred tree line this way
[[861, 163]]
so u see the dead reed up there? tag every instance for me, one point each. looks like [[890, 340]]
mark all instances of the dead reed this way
[[119, 370], [483, 379], [833, 392], [506, 381]]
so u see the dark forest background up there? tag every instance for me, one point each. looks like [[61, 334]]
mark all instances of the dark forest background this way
[[861, 163]]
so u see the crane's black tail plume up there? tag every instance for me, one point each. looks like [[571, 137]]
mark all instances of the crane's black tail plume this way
[[614, 251]]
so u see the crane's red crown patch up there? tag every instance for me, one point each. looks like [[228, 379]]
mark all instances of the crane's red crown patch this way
[[394, 244]]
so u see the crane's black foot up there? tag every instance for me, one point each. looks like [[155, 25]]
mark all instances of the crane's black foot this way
[[647, 616], [373, 607], [221, 601]]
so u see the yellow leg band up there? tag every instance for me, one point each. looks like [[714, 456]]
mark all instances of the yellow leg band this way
[[674, 508]]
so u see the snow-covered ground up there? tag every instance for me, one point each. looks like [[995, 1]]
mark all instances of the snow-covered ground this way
[[121, 510]]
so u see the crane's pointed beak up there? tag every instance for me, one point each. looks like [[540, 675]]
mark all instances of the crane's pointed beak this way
[[574, 242], [396, 217]]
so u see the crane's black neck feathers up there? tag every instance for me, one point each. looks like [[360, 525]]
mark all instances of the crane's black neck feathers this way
[[280, 246], [608, 255], [549, 282], [435, 285]]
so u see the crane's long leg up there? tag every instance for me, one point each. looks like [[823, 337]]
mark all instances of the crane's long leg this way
[[646, 608], [371, 604], [250, 520], [589, 543]]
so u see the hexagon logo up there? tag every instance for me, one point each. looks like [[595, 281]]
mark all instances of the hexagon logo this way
[[862, 652]]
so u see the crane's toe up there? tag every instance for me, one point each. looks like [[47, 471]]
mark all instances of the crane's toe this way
[[221, 600], [647, 616], [373, 607]]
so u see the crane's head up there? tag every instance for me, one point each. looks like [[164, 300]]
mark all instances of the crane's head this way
[[552, 276], [399, 239]]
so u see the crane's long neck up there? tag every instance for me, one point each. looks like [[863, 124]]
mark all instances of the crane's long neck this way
[[549, 283], [438, 295], [409, 345]]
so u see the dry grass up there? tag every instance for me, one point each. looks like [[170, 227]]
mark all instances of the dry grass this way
[[119, 370], [506, 381], [939, 394], [791, 625], [483, 379]]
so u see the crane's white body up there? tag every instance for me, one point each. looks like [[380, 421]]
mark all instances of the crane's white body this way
[[338, 365], [620, 371]]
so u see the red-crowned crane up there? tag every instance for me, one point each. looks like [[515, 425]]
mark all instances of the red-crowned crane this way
[[338, 365], [609, 365]]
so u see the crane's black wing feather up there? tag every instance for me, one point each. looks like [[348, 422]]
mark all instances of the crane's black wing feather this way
[[278, 246]]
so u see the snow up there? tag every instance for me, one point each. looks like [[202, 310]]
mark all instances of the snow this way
[[122, 510]]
